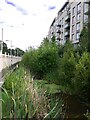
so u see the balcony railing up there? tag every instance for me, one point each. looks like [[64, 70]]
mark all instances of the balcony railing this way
[[67, 18], [58, 25], [87, 2], [79, 11], [67, 33], [58, 38], [87, 12], [67, 25], [58, 31]]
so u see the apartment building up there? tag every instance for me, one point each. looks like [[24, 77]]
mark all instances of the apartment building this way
[[69, 21]]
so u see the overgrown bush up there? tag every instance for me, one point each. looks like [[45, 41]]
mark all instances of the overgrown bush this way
[[65, 65], [42, 60], [82, 76]]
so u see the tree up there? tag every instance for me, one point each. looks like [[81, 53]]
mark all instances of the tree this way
[[67, 65], [42, 60], [82, 76], [44, 42], [4, 48], [19, 52], [53, 39], [84, 39]]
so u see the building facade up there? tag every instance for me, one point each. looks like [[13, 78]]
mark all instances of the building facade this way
[[70, 21]]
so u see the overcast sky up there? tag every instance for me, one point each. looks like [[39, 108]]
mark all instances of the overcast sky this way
[[27, 22]]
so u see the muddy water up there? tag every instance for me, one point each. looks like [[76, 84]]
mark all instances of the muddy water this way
[[71, 107]]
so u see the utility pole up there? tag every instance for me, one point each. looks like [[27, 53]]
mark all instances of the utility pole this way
[[2, 43]]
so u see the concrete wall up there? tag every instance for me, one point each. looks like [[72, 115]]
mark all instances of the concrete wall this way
[[6, 61]]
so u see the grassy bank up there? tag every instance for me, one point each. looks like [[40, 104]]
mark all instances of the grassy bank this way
[[23, 97]]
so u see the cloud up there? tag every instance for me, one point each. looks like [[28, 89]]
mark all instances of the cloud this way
[[40, 16], [10, 3], [23, 11], [1, 22], [34, 14], [51, 7]]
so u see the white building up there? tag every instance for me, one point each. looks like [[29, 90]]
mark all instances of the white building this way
[[69, 21]]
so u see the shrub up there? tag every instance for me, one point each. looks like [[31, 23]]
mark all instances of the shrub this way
[[82, 76], [42, 60]]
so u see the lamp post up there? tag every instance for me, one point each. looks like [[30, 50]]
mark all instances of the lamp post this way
[[1, 43], [11, 48]]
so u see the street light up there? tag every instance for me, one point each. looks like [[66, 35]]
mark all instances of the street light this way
[[1, 43], [11, 48]]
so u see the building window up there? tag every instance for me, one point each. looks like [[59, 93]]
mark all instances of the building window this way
[[77, 36], [85, 7], [73, 29], [65, 9], [79, 7], [85, 18], [78, 17], [78, 26], [72, 37], [73, 20], [73, 12], [62, 20]]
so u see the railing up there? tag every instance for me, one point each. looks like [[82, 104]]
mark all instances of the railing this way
[[67, 17], [6, 60], [67, 33], [67, 25]]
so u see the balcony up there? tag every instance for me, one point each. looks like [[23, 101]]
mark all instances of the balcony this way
[[66, 38], [75, 42], [87, 12], [52, 33], [78, 30], [79, 11], [58, 39], [58, 25], [58, 31], [66, 33], [67, 26], [57, 36], [87, 2], [67, 18]]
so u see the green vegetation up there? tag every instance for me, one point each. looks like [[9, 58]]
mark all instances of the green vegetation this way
[[69, 69], [24, 98], [52, 78], [43, 60], [14, 52]]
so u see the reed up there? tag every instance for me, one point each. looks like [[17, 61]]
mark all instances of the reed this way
[[25, 98]]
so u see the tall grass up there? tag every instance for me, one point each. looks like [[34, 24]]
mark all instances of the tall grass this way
[[25, 98]]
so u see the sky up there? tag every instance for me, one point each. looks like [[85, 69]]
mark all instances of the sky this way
[[27, 22]]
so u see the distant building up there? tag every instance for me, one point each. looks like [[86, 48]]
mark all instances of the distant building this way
[[70, 21]]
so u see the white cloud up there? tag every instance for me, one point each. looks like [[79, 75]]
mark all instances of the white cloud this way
[[37, 20]]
